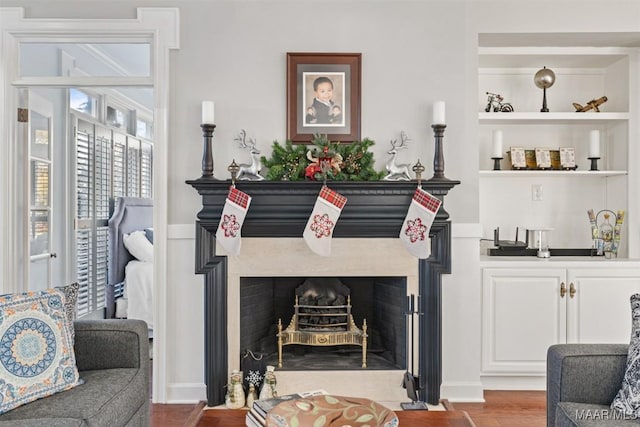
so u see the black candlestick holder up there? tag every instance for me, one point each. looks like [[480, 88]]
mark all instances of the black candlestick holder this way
[[438, 155], [594, 163], [496, 163], [544, 108], [207, 154]]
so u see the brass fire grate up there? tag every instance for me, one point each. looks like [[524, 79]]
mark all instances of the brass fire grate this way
[[323, 325]]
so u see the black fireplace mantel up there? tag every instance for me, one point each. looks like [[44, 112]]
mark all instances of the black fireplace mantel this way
[[282, 208], [374, 209]]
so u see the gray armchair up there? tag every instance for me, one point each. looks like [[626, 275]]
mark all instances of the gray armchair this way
[[113, 360], [582, 380]]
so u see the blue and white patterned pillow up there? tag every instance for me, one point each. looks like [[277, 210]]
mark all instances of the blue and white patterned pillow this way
[[628, 398], [36, 350], [70, 293]]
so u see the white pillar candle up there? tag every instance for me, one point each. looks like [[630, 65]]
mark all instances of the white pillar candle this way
[[208, 115], [594, 143], [438, 113], [496, 147]]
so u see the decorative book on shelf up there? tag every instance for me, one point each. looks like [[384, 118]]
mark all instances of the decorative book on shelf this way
[[252, 421]]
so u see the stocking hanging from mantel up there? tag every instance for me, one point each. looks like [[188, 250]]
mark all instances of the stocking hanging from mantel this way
[[233, 213], [322, 221], [415, 229]]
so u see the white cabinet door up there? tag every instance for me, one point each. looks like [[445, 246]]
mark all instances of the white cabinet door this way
[[600, 311], [523, 313]]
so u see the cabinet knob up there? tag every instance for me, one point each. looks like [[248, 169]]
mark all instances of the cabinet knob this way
[[563, 289], [572, 290]]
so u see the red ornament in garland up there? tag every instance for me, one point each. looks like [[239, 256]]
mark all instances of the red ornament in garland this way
[[330, 160]]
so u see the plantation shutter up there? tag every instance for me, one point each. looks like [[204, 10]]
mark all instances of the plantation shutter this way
[[146, 170], [109, 164], [133, 167], [84, 181], [93, 188], [102, 195], [119, 165], [84, 208]]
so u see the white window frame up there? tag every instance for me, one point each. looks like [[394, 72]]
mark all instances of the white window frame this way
[[157, 26]]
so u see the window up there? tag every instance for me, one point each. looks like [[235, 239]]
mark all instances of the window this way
[[117, 118], [40, 207], [144, 128], [83, 102], [109, 164]]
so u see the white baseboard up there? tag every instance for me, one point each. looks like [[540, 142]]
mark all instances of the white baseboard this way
[[185, 393], [497, 382], [462, 391]]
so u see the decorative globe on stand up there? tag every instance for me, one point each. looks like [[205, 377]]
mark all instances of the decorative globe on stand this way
[[544, 79]]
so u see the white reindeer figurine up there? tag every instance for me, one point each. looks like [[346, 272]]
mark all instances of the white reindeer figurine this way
[[397, 172], [249, 172]]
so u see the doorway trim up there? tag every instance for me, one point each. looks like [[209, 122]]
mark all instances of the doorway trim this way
[[157, 26]]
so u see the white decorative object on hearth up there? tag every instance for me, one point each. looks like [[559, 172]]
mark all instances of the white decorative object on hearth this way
[[235, 397], [251, 395], [269, 386]]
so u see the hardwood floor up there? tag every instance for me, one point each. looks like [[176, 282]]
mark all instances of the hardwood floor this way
[[500, 409], [508, 409], [173, 415]]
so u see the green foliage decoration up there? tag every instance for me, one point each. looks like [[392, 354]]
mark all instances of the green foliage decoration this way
[[357, 162], [289, 162], [286, 163]]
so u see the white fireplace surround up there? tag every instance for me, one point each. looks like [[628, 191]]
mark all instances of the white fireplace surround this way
[[290, 257]]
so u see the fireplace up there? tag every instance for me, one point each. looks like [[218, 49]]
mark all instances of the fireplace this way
[[378, 301], [278, 214]]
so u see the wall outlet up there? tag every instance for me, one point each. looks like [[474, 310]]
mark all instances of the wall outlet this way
[[536, 192]]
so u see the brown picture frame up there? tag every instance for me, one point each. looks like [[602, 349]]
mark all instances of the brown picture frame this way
[[337, 117]]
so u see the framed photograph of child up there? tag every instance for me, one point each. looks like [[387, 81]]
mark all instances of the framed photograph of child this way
[[323, 96]]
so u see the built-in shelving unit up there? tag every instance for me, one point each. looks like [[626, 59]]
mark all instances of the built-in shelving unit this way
[[507, 65], [581, 299]]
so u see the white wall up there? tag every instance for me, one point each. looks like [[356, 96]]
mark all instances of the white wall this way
[[461, 314], [235, 56], [414, 52]]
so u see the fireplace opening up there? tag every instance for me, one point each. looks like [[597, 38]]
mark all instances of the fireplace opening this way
[[379, 300]]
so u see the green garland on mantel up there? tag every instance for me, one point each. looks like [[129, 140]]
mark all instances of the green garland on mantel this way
[[349, 162]]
